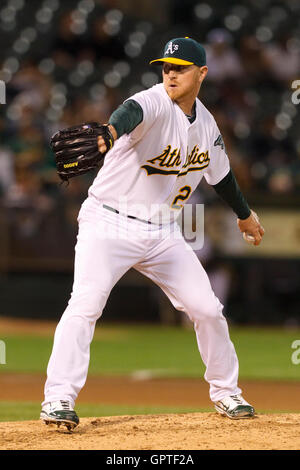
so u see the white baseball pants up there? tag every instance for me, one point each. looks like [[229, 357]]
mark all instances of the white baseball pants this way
[[108, 245]]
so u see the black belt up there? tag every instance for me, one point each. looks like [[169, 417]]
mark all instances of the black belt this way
[[129, 216]]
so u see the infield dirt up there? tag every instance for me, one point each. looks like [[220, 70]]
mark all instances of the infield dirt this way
[[193, 431]]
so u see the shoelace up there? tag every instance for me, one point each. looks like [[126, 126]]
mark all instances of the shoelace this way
[[65, 404], [237, 399]]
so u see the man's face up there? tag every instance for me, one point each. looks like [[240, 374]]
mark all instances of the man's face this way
[[181, 81]]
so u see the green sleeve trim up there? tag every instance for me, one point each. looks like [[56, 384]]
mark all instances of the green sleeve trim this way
[[229, 190], [126, 117]]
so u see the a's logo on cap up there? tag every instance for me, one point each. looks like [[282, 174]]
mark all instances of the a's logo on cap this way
[[172, 48]]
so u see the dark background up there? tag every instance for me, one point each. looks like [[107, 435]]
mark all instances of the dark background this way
[[69, 62]]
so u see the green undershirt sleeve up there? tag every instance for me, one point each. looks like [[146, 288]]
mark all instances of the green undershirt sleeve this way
[[126, 117], [228, 189]]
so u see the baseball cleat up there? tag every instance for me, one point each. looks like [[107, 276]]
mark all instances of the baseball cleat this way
[[235, 407], [59, 412]]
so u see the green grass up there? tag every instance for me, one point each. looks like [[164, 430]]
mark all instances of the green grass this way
[[22, 411], [264, 353]]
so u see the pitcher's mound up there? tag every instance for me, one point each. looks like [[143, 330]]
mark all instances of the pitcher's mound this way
[[192, 431]]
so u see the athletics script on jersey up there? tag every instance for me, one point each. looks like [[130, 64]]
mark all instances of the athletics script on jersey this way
[[169, 160]]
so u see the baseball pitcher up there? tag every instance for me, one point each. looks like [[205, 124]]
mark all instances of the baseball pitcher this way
[[157, 145]]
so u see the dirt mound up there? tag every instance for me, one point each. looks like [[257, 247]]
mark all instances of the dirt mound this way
[[193, 431]]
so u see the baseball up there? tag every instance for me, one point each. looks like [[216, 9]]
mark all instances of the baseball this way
[[248, 238]]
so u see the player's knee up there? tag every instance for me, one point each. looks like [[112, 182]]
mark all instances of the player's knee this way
[[87, 304], [209, 310]]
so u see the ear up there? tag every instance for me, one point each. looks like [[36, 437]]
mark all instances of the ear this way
[[203, 72]]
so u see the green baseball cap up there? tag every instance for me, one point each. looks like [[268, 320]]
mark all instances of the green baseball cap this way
[[183, 51]]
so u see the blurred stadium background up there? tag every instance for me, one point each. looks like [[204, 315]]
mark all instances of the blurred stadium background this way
[[66, 62]]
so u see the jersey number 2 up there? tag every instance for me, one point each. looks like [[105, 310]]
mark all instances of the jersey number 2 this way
[[185, 191]]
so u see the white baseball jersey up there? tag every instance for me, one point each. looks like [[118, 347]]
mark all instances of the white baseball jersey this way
[[151, 172]]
